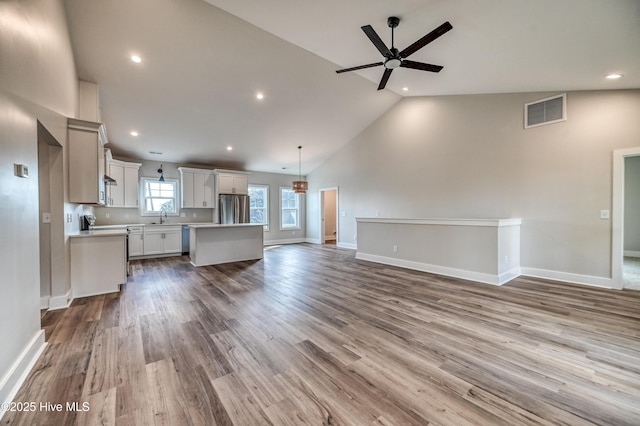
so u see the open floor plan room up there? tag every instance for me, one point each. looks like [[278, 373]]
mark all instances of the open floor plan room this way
[[309, 335]]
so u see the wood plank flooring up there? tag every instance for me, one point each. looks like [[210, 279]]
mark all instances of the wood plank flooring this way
[[310, 336]]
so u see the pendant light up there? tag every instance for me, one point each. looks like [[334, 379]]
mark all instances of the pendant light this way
[[300, 186], [161, 174]]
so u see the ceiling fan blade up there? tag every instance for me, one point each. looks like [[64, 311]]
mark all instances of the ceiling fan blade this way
[[385, 78], [420, 66], [375, 64], [376, 40], [442, 29]]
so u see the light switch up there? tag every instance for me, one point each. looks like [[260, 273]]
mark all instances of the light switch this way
[[604, 214], [343, 213], [21, 170]]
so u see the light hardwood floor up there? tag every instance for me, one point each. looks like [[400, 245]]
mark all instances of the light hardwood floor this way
[[310, 336]]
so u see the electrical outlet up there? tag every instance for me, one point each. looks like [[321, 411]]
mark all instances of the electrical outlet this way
[[107, 215], [604, 214], [46, 217], [126, 215], [183, 214], [395, 249], [355, 237], [293, 233], [195, 215]]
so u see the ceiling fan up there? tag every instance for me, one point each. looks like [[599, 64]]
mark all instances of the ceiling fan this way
[[395, 58]]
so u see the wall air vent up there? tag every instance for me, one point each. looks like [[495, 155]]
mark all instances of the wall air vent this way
[[545, 111]]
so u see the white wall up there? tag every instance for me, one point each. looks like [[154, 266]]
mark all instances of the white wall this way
[[37, 82], [469, 157]]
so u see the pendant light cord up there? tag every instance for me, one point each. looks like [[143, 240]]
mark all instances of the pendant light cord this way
[[300, 163]]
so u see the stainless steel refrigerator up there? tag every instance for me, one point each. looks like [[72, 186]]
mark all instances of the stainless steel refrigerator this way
[[233, 208]]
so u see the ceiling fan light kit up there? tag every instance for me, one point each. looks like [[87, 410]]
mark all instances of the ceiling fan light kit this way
[[395, 58]]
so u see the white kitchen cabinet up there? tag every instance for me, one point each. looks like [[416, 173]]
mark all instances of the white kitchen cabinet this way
[[98, 262], [197, 188], [125, 192], [136, 241], [231, 182], [162, 239], [86, 162]]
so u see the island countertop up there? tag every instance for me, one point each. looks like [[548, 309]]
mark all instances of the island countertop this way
[[222, 225]]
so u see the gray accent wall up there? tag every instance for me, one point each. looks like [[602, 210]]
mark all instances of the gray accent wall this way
[[38, 83], [470, 157]]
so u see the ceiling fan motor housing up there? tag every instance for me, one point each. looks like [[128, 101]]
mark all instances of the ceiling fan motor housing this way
[[392, 21]]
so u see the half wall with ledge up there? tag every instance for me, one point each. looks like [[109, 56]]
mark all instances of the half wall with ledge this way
[[482, 250]]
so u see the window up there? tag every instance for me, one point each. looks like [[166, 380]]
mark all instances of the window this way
[[259, 204], [289, 209], [159, 196]]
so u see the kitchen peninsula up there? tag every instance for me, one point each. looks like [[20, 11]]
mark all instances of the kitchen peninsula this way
[[211, 244]]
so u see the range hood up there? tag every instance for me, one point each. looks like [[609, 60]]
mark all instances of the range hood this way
[[108, 180]]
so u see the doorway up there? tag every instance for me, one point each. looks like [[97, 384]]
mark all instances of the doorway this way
[[625, 253], [51, 214], [329, 233]]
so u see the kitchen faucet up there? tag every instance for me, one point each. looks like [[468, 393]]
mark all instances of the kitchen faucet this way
[[163, 212]]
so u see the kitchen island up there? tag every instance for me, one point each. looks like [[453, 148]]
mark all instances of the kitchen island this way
[[211, 244]]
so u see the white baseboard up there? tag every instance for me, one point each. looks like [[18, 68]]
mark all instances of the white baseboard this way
[[60, 302], [329, 237], [286, 241], [347, 246], [313, 241], [568, 277], [441, 270], [20, 369], [631, 253], [44, 302]]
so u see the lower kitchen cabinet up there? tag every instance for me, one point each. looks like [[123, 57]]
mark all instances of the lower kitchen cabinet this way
[[136, 241], [164, 239], [98, 262]]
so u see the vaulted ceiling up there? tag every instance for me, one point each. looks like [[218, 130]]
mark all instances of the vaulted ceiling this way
[[203, 63]]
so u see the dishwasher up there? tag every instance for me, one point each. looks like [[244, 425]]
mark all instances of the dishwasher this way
[[185, 239]]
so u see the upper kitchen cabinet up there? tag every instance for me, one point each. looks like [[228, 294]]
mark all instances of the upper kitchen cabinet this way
[[232, 182], [124, 192], [86, 162], [198, 186]]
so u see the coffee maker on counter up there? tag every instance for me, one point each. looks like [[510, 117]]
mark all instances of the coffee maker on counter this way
[[87, 221]]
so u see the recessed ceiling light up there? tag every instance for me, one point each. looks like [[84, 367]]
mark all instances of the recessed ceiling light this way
[[405, 89], [229, 148], [614, 76], [260, 96], [136, 59], [134, 133]]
